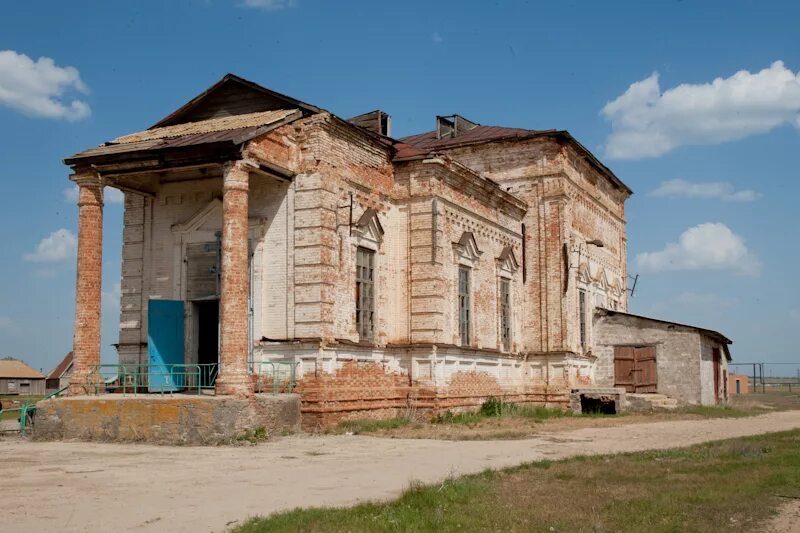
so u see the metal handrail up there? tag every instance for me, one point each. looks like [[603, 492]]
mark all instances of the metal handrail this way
[[27, 410], [278, 369], [166, 378]]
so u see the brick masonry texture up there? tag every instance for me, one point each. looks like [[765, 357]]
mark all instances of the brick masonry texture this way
[[235, 285], [86, 342], [520, 210], [304, 236]]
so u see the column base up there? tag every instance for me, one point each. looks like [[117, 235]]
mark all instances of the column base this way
[[86, 385], [238, 385]]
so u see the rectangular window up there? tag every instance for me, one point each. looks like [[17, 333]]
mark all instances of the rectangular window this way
[[463, 305], [365, 292], [505, 313], [582, 311]]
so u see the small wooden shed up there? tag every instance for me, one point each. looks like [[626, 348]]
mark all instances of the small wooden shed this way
[[17, 378]]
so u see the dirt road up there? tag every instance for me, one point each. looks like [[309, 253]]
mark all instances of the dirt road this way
[[71, 486]]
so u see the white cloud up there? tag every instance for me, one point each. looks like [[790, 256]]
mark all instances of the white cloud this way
[[58, 246], [71, 194], [710, 246], [691, 304], [113, 196], [38, 87], [111, 298], [647, 122], [269, 5], [716, 190], [110, 195], [6, 323], [437, 37]]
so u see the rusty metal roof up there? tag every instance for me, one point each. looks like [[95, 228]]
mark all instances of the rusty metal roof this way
[[429, 140], [62, 367], [235, 129], [11, 368], [426, 143], [207, 126]]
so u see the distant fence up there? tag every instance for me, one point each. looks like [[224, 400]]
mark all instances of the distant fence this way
[[766, 377]]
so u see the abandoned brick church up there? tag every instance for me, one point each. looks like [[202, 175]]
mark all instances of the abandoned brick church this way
[[428, 272]]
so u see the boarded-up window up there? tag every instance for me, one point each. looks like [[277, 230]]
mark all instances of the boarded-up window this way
[[505, 313], [463, 305], [365, 292], [582, 313], [202, 270]]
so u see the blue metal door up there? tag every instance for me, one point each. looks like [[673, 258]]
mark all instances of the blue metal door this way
[[165, 345]]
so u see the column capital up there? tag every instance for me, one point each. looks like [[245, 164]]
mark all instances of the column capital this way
[[87, 178], [235, 176]]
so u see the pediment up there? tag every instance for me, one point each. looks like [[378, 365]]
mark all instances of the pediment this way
[[583, 274], [369, 226], [208, 218], [507, 260], [601, 279], [467, 247], [232, 95]]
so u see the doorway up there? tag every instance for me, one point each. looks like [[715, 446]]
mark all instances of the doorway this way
[[635, 368], [207, 335]]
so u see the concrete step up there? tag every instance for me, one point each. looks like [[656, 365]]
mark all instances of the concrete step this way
[[651, 402]]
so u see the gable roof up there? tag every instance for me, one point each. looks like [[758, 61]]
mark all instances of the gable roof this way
[[425, 143], [11, 368], [269, 99], [231, 131], [62, 367], [227, 114]]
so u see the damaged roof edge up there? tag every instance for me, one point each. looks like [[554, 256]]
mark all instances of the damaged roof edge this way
[[708, 332], [233, 77], [524, 135]]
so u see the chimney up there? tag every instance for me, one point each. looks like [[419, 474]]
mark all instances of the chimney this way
[[375, 121], [451, 126]]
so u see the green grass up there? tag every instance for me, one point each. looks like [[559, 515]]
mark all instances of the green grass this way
[[12, 402], [254, 436], [370, 426], [726, 486]]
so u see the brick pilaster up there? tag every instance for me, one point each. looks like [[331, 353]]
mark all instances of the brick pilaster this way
[[234, 375], [86, 339]]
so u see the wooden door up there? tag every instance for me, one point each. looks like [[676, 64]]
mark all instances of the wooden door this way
[[624, 368], [635, 368], [646, 378]]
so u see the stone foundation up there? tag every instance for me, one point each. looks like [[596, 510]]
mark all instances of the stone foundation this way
[[193, 420], [610, 395]]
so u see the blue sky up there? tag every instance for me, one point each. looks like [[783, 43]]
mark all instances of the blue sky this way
[[713, 223]]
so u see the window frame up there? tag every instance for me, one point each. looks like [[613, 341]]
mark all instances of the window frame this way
[[504, 303], [365, 314], [582, 317], [464, 301]]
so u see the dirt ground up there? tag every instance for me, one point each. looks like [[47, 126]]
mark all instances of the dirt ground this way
[[73, 486], [522, 427], [788, 519]]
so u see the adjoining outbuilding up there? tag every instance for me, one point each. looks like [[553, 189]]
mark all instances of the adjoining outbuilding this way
[[17, 378], [58, 378], [645, 355]]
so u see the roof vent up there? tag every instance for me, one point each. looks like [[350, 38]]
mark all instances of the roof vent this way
[[449, 126], [375, 121]]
